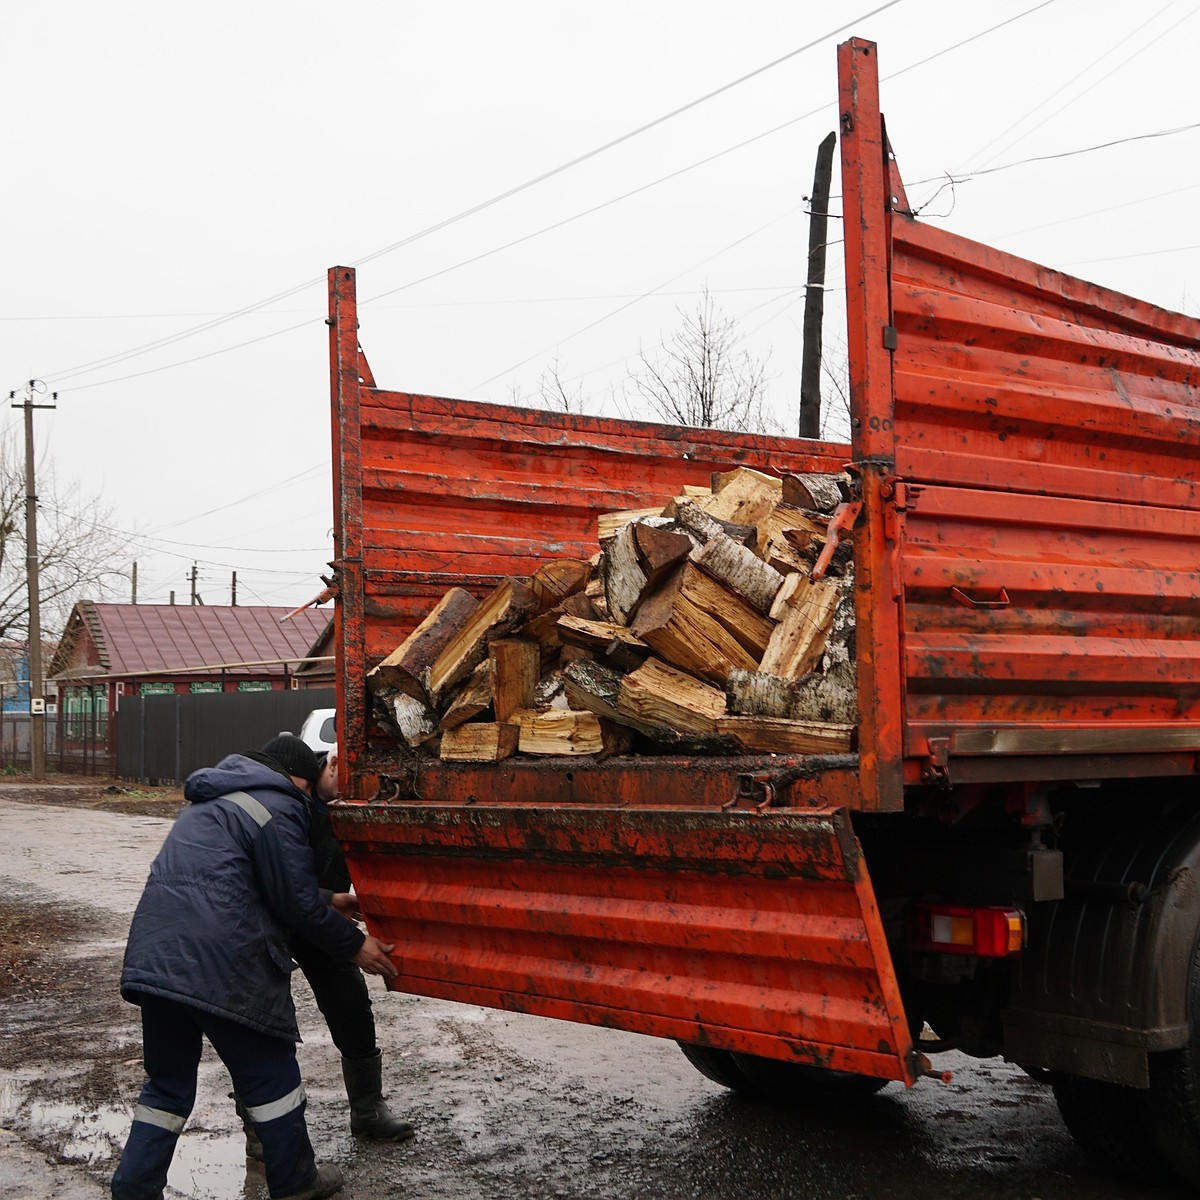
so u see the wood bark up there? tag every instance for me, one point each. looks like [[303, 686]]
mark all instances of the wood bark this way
[[820, 492], [405, 668], [474, 697], [740, 569], [624, 579]]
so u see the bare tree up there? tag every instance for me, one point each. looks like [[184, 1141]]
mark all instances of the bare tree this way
[[702, 376], [554, 392], [835, 417], [80, 553]]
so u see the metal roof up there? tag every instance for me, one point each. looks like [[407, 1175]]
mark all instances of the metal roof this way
[[137, 639]]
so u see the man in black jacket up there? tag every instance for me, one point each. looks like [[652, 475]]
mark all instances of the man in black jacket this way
[[339, 986], [208, 958]]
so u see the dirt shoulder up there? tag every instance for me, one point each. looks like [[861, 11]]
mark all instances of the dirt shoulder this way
[[110, 795]]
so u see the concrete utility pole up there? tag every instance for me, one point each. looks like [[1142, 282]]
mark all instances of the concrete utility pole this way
[[37, 701], [192, 575]]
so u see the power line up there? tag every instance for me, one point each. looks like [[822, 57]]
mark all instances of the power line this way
[[558, 224], [159, 343]]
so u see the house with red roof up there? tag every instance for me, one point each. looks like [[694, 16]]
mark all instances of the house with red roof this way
[[111, 650]]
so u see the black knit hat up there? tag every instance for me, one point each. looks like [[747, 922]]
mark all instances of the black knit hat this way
[[294, 756]]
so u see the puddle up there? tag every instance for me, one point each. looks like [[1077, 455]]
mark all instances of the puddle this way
[[207, 1165]]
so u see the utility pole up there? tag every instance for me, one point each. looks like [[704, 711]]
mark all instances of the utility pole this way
[[192, 575], [233, 591], [134, 578], [814, 293], [37, 701]]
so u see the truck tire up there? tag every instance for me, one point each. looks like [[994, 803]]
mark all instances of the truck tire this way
[[799, 1083], [717, 1065], [1171, 1108], [1105, 1119]]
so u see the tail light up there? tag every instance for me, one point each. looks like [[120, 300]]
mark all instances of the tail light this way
[[991, 932]]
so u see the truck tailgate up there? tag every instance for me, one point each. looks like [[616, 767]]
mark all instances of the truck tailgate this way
[[747, 930]]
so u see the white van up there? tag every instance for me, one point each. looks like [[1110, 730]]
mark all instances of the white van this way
[[319, 730]]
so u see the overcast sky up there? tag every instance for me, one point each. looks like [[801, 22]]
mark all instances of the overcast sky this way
[[169, 166]]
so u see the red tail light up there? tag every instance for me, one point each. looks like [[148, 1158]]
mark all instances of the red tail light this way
[[960, 929]]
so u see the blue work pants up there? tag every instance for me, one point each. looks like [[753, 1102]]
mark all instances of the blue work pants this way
[[264, 1073]]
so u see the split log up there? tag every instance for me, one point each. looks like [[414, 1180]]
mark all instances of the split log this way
[[692, 518], [770, 735], [690, 493], [473, 698], [505, 607], [740, 569], [820, 492], [516, 667], [799, 639], [609, 524], [557, 579], [663, 695], [479, 741], [415, 720], [660, 550], [560, 731], [743, 496], [701, 626], [624, 579], [550, 692], [752, 693], [786, 533], [405, 668], [598, 635]]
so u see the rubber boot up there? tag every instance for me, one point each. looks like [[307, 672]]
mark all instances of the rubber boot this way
[[370, 1116], [288, 1159], [328, 1181], [254, 1147]]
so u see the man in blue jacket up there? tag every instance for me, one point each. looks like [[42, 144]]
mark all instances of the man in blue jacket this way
[[208, 957]]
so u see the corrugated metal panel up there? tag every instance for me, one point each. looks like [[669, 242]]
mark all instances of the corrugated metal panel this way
[[749, 931], [1050, 551], [460, 493]]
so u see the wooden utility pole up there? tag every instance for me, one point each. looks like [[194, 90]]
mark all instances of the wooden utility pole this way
[[37, 700], [233, 591], [133, 577], [814, 293]]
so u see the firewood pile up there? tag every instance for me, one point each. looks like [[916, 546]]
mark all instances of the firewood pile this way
[[698, 627]]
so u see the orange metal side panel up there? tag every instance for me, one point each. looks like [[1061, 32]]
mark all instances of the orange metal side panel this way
[[1041, 530], [748, 931]]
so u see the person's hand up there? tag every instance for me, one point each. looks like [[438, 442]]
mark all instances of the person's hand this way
[[347, 904], [372, 957]]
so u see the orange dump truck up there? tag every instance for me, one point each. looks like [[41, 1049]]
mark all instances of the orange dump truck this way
[[1005, 864]]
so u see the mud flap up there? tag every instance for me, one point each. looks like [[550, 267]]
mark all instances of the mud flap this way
[[749, 931]]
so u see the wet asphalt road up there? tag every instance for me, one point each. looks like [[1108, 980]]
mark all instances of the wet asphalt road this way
[[507, 1106]]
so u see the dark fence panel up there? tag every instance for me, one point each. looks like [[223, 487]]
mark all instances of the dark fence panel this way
[[163, 739]]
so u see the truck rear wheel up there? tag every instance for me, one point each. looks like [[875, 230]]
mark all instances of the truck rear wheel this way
[[1171, 1108], [799, 1083], [782, 1082], [1105, 1119], [717, 1065]]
